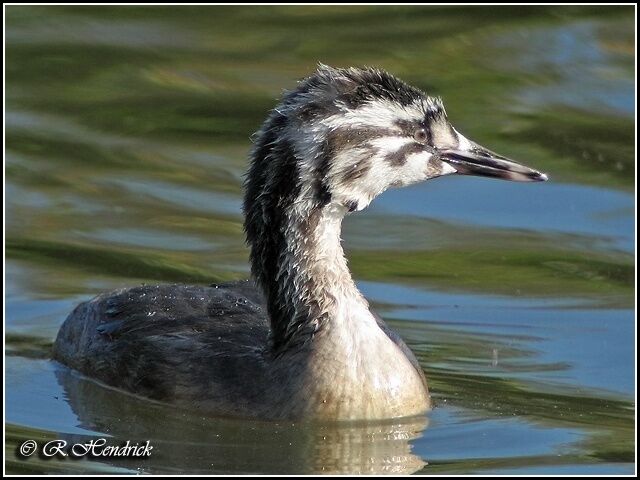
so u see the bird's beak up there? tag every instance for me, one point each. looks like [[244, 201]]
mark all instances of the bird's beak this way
[[477, 160]]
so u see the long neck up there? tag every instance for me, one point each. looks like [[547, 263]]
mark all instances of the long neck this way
[[307, 279], [293, 228], [353, 367], [294, 234]]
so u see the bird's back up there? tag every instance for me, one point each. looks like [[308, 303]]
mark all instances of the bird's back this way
[[176, 343]]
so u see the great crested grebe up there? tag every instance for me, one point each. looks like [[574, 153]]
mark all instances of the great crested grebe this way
[[304, 344]]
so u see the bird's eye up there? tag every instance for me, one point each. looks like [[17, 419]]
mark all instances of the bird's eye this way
[[420, 135]]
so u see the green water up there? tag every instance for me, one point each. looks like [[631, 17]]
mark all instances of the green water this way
[[127, 131]]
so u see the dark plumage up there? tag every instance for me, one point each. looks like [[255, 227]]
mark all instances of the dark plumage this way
[[157, 341]]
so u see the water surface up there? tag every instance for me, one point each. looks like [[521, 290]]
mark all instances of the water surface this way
[[127, 130]]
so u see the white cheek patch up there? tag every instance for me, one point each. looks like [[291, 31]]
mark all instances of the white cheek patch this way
[[419, 158], [415, 168]]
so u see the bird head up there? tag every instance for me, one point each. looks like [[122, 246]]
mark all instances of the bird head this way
[[349, 134]]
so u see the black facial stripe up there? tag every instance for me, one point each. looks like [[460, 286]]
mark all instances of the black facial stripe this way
[[345, 137], [407, 127], [357, 170], [399, 157], [337, 140]]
